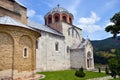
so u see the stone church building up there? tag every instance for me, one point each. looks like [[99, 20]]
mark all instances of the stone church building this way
[[27, 46], [61, 45]]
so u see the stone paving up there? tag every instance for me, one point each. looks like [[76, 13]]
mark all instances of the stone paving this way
[[102, 78], [36, 77]]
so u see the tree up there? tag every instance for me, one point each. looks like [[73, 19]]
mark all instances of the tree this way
[[114, 65], [115, 28]]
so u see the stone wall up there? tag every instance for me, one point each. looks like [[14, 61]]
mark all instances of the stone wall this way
[[77, 58], [13, 40], [48, 59], [13, 9], [83, 57], [71, 40]]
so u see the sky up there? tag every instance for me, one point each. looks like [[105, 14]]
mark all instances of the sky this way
[[92, 16]]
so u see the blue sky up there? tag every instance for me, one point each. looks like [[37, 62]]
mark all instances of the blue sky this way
[[90, 15]]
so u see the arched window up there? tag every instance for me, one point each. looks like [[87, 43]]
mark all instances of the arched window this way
[[56, 46], [56, 18], [25, 53], [49, 20], [89, 60], [64, 19]]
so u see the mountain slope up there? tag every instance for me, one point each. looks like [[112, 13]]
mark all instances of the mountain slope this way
[[106, 44], [103, 49]]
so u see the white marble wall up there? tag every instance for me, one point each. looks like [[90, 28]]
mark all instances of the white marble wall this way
[[47, 57], [77, 58]]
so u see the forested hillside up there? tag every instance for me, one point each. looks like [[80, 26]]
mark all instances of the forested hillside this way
[[105, 49]]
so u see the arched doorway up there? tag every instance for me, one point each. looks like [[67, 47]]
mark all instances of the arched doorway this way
[[89, 60], [6, 54]]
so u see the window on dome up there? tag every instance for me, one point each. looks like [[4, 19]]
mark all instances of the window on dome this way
[[49, 20], [70, 20], [64, 19], [56, 18]]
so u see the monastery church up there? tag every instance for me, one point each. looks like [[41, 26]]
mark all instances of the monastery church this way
[[27, 46]]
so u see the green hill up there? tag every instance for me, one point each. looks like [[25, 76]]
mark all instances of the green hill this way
[[105, 49]]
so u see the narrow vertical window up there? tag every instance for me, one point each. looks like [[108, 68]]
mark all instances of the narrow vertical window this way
[[72, 32], [56, 46], [68, 32], [25, 53], [68, 49], [36, 44]]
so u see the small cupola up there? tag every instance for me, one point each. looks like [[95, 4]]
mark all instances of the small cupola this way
[[58, 14]]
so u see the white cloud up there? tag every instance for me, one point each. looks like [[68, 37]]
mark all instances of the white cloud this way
[[110, 23], [111, 3], [90, 20], [90, 28], [40, 17], [31, 13], [88, 24], [72, 7]]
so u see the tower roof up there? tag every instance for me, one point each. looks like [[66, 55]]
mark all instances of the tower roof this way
[[58, 9]]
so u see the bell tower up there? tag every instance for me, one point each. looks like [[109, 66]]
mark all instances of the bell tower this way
[[57, 15]]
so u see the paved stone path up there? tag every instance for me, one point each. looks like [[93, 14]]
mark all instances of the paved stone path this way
[[102, 78]]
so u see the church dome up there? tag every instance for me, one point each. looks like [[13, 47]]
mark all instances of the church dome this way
[[58, 14], [58, 9]]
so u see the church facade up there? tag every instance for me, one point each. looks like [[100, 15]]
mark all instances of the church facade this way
[[27, 46], [17, 42], [61, 45]]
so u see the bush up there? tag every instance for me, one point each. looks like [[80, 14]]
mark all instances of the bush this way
[[80, 73]]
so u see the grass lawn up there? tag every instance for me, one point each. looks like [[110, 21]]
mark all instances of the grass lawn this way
[[69, 75]]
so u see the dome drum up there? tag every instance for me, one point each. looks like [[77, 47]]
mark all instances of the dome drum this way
[[58, 14]]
